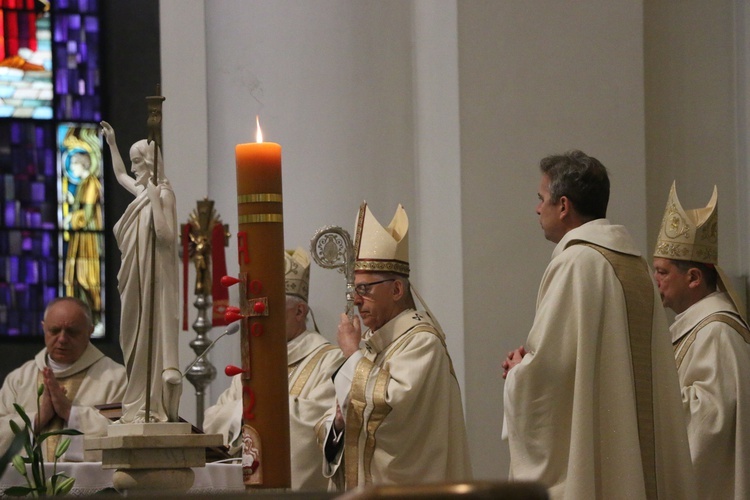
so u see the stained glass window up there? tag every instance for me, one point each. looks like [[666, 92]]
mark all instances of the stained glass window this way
[[51, 190]]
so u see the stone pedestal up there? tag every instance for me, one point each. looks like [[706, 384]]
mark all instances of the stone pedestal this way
[[153, 456]]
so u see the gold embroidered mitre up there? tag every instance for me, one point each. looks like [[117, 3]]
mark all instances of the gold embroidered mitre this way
[[297, 274], [382, 249], [689, 234]]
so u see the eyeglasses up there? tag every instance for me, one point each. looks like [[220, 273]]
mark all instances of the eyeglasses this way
[[363, 289]]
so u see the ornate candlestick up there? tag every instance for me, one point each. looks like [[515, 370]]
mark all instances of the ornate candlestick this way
[[197, 240]]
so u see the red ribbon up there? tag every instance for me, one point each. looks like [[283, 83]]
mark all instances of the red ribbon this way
[[219, 292]]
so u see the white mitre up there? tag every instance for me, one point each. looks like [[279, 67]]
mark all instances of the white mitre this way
[[297, 274], [693, 235], [689, 234], [382, 249]]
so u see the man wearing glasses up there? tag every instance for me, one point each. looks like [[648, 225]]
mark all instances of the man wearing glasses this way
[[398, 417]]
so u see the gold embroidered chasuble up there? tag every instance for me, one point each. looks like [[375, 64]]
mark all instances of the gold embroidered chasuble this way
[[92, 380], [404, 420], [712, 352], [312, 361], [578, 412]]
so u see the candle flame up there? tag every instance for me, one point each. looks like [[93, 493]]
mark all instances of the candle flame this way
[[258, 133]]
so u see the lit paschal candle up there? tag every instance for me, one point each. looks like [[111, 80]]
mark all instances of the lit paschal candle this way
[[263, 334]]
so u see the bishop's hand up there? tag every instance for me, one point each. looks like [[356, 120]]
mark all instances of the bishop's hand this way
[[349, 334]]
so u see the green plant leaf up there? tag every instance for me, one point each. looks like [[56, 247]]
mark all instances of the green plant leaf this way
[[61, 432], [40, 390], [23, 415], [18, 491], [14, 427]]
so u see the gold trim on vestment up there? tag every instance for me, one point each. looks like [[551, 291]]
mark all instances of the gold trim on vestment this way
[[260, 218], [259, 198], [304, 375], [634, 277], [290, 368], [683, 344], [355, 417], [380, 410]]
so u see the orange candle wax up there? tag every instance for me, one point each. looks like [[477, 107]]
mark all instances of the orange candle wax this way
[[263, 303]]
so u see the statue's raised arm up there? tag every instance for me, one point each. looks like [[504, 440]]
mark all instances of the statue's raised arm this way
[[121, 173]]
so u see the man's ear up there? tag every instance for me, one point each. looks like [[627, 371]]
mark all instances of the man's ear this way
[[300, 312], [565, 206], [694, 277], [398, 290]]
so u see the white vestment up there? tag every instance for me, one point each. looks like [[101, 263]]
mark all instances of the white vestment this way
[[402, 405], [571, 407], [135, 240], [714, 369], [312, 362], [92, 380]]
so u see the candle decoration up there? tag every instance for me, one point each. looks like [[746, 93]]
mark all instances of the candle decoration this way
[[262, 309]]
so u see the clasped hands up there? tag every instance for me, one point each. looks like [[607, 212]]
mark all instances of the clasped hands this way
[[54, 400], [349, 336], [514, 357]]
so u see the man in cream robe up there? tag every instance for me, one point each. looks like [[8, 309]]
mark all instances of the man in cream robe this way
[[77, 376], [592, 405], [312, 361], [711, 348], [398, 417], [713, 359]]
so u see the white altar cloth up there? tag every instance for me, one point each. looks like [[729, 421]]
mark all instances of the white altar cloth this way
[[91, 478]]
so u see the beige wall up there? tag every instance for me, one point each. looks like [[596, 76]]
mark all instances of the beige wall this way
[[536, 78], [694, 132], [447, 106]]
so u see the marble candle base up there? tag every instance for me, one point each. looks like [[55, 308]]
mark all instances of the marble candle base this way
[[154, 456]]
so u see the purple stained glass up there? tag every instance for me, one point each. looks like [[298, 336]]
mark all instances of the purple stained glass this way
[[49, 294], [39, 136], [61, 82], [5, 295], [29, 172], [13, 269], [32, 272], [51, 271], [22, 295], [61, 29], [46, 249], [26, 243], [10, 213], [36, 219], [37, 191], [49, 163], [92, 24], [16, 133], [74, 22]]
